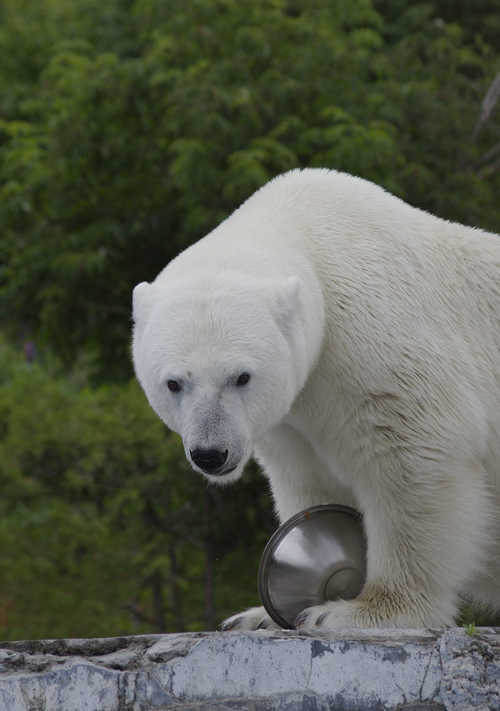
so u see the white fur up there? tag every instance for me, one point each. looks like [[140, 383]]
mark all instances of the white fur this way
[[371, 334]]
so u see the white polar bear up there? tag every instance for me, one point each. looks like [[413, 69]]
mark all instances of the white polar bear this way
[[352, 343]]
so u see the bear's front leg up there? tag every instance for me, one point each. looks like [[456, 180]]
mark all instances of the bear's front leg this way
[[426, 541], [293, 471]]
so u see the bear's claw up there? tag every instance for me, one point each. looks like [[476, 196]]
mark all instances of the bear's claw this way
[[264, 623], [255, 618], [301, 618], [332, 615], [232, 623]]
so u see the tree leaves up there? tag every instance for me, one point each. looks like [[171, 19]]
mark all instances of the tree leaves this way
[[128, 130], [100, 516], [117, 159]]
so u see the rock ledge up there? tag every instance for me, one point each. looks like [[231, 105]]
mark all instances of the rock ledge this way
[[346, 670]]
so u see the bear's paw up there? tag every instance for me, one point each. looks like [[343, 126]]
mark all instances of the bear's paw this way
[[344, 614], [256, 618]]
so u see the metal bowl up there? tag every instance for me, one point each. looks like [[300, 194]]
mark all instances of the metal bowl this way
[[317, 555]]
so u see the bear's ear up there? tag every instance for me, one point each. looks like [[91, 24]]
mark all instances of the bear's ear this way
[[142, 301], [286, 298]]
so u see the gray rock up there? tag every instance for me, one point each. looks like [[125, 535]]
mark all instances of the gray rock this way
[[346, 670], [471, 671]]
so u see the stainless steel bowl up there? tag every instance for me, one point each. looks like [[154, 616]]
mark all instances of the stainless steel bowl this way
[[317, 555]]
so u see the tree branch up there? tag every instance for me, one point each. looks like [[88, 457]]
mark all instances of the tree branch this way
[[490, 168], [487, 106], [492, 153]]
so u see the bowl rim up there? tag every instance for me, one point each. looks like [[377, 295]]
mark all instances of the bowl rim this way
[[275, 540]]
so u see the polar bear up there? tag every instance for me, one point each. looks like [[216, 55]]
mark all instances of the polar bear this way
[[352, 344]]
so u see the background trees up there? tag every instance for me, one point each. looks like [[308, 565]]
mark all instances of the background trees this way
[[103, 527], [128, 129]]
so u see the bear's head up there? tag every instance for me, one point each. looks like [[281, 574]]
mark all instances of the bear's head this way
[[218, 361]]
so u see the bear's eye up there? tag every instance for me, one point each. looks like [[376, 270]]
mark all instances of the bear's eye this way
[[173, 386], [243, 379]]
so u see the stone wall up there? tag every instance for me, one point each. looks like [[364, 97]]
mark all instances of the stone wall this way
[[349, 670]]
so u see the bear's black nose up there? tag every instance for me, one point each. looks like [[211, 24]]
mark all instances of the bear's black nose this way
[[208, 459]]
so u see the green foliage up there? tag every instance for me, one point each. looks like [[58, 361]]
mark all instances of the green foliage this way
[[476, 18], [471, 629], [104, 530], [129, 130]]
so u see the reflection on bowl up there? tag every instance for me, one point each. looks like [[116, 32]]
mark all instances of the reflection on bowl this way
[[317, 555]]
